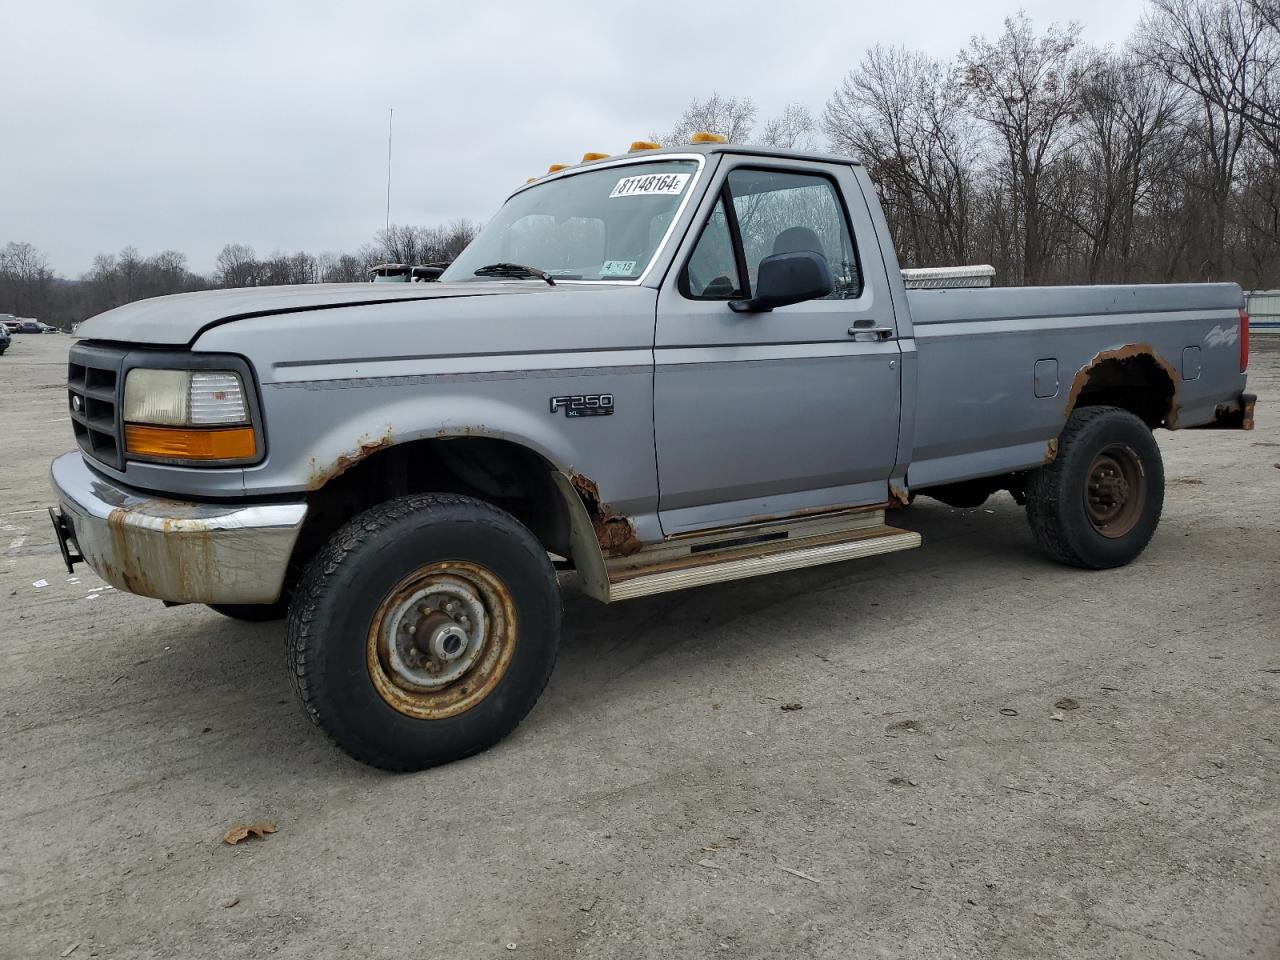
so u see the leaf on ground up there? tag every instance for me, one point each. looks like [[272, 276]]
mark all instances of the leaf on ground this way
[[244, 830]]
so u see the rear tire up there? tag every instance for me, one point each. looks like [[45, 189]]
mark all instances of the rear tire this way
[[424, 631], [1098, 503]]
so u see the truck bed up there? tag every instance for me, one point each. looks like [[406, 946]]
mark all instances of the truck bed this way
[[998, 370]]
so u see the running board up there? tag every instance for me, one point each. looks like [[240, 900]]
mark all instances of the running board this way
[[778, 547]]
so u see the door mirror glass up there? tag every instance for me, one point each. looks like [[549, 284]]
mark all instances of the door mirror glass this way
[[787, 278]]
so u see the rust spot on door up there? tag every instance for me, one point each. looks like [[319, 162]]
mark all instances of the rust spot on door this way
[[616, 535]]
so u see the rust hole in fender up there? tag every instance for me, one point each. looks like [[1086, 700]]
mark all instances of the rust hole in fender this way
[[367, 447], [616, 535], [1127, 360]]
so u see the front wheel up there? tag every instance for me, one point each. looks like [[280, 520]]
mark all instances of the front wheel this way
[[1098, 503], [424, 631]]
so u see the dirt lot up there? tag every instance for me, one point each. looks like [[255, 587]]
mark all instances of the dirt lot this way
[[996, 756]]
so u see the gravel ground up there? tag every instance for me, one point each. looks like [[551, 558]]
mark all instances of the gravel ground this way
[[996, 756]]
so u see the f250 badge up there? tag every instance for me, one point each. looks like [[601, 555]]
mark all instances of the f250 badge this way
[[584, 405]]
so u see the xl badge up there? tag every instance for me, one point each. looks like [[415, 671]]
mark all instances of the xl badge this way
[[584, 405]]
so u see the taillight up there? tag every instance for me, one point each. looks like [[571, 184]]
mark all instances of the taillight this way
[[1244, 340]]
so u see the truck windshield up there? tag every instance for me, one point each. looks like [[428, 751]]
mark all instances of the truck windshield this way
[[604, 224]]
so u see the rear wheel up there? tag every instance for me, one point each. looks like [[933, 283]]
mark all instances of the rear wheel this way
[[1098, 503], [424, 631]]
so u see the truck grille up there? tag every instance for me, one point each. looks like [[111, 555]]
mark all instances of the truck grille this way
[[93, 398]]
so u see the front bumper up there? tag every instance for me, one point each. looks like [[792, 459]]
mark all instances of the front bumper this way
[[174, 550]]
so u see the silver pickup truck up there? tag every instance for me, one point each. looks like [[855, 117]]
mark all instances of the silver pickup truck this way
[[663, 369]]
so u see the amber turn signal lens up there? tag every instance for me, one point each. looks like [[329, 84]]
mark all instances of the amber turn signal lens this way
[[179, 443]]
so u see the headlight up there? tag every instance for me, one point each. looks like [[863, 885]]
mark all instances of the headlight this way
[[187, 415]]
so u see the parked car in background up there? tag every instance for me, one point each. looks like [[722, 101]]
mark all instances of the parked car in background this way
[[49, 328], [5, 339], [27, 325], [9, 322], [406, 273]]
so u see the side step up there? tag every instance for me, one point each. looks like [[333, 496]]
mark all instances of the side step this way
[[751, 552]]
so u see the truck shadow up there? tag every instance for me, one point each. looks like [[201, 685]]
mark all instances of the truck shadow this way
[[965, 548], [238, 714]]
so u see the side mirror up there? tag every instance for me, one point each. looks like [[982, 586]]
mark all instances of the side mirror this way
[[787, 278]]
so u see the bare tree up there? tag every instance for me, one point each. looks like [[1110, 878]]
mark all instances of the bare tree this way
[[237, 266], [418, 244], [1127, 135], [1024, 87], [1209, 48], [793, 129], [733, 118], [899, 113], [283, 268], [26, 280]]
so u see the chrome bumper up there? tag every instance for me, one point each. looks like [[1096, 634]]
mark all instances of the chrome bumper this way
[[172, 550]]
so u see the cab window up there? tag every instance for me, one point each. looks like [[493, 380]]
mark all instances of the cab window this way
[[772, 212], [712, 271]]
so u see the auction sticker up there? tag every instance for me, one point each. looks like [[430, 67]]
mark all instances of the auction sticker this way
[[650, 184], [618, 268]]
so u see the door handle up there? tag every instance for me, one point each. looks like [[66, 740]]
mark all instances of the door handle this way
[[868, 334]]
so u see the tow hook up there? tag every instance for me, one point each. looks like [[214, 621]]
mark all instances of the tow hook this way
[[66, 536]]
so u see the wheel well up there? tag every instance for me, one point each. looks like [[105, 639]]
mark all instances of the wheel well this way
[[505, 474], [1134, 379]]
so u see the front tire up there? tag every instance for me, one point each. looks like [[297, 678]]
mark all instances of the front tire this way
[[424, 631], [1098, 503]]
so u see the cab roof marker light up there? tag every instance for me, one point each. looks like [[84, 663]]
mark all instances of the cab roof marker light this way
[[638, 145], [703, 136], [591, 155], [555, 167]]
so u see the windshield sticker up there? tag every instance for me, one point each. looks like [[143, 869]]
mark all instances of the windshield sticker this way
[[618, 268], [650, 184]]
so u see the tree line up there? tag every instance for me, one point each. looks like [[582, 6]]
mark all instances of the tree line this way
[[1057, 162], [1054, 161], [29, 287]]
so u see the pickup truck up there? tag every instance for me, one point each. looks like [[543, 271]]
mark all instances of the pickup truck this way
[[663, 369]]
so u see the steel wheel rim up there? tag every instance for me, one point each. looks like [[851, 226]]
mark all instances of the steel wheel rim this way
[[1115, 491], [441, 639]]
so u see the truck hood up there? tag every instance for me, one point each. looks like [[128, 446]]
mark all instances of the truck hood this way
[[177, 320]]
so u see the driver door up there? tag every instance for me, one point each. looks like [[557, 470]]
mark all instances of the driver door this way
[[764, 415]]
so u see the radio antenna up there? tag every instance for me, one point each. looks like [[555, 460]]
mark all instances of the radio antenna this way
[[391, 112]]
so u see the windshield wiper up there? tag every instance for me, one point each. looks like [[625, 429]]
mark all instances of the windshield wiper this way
[[514, 270]]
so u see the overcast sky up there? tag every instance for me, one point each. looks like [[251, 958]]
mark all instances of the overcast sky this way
[[186, 126]]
